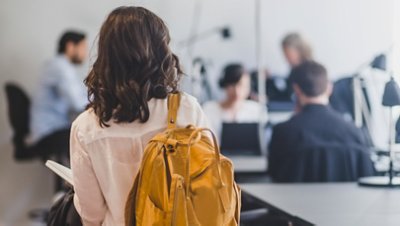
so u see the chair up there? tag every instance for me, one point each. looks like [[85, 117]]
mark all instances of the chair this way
[[334, 163], [19, 117], [18, 114], [342, 100]]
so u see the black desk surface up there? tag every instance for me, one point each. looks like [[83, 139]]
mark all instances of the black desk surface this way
[[332, 204]]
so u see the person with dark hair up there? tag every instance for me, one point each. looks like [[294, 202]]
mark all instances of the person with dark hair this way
[[60, 94], [236, 107], [315, 127], [128, 85], [74, 38]]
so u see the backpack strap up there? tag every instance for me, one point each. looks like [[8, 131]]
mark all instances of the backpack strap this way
[[173, 106]]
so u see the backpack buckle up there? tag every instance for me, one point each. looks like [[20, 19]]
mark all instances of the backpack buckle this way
[[171, 144]]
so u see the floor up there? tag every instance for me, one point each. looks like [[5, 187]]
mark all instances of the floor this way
[[24, 186]]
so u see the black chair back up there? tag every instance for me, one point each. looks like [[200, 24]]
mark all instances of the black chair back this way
[[342, 100], [334, 163], [18, 114]]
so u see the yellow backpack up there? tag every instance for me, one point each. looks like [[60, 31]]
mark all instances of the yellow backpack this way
[[183, 180]]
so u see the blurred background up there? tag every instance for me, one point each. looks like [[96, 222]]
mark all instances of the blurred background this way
[[344, 35]]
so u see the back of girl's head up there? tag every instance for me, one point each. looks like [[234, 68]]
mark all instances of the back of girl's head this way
[[231, 75], [134, 64]]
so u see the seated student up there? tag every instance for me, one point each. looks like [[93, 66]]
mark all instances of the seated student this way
[[316, 136], [235, 107], [133, 74], [60, 94]]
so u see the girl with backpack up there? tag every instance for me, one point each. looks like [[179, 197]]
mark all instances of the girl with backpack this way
[[128, 87]]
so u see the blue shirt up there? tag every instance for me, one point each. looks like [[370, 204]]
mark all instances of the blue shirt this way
[[60, 92]]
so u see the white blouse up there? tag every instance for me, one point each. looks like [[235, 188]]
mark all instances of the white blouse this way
[[250, 111], [105, 160]]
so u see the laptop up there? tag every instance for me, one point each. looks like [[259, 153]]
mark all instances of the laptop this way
[[241, 143], [240, 139]]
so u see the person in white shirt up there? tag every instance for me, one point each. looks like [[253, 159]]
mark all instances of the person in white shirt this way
[[59, 95], [129, 82], [236, 107]]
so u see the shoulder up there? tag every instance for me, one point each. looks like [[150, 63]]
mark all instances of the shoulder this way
[[85, 124], [85, 118], [253, 105], [290, 126], [190, 112], [281, 126], [339, 120], [189, 103], [58, 62], [60, 65], [211, 106], [347, 126], [188, 100]]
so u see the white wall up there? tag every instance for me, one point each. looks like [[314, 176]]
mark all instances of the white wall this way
[[344, 33]]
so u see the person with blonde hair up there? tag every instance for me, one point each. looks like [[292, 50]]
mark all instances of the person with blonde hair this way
[[296, 49]]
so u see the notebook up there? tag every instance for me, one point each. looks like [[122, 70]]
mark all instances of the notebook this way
[[62, 171]]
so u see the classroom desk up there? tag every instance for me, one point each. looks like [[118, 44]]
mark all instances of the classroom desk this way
[[249, 164], [331, 204]]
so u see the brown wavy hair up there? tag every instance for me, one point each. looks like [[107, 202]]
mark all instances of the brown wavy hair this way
[[134, 64]]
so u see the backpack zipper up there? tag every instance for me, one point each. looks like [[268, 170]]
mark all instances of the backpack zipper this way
[[177, 188]]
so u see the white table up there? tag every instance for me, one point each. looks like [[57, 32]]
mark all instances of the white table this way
[[332, 204], [249, 164]]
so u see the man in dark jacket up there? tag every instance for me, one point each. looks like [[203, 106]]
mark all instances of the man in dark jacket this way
[[316, 144]]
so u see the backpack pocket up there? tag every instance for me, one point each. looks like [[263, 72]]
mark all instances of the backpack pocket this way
[[153, 215], [177, 202], [180, 207]]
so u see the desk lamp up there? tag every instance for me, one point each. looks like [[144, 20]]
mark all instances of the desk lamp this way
[[379, 62], [391, 98], [361, 108]]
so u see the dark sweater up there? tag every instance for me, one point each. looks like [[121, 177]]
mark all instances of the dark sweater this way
[[315, 127]]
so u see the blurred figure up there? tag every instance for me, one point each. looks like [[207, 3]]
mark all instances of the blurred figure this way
[[296, 49], [60, 94], [314, 133], [235, 107]]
